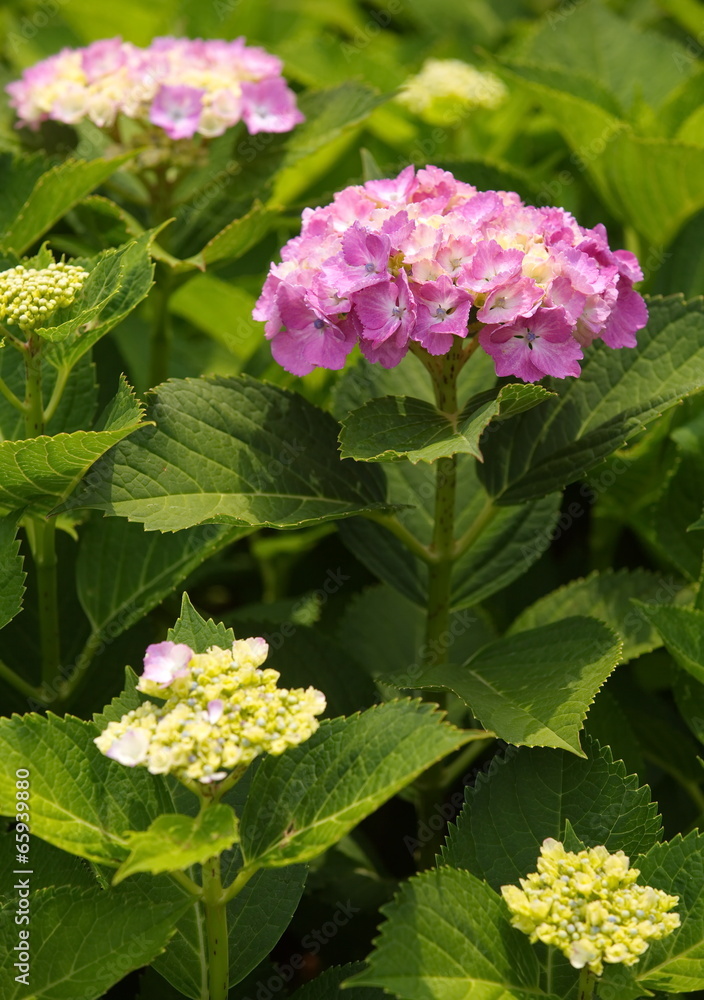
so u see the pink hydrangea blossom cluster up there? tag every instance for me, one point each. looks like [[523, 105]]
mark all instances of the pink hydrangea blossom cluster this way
[[422, 257], [183, 86]]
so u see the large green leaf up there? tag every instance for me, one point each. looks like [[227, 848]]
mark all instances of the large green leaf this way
[[632, 64], [682, 631], [305, 800], [231, 451], [528, 795], [12, 575], [84, 941], [535, 688], [616, 394], [123, 572], [512, 539], [676, 964], [394, 427], [174, 842], [447, 936], [655, 184], [606, 596], [52, 194], [41, 471], [81, 801]]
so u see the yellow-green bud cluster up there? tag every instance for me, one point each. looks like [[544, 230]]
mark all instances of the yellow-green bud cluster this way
[[588, 906], [220, 713], [446, 87], [29, 296]]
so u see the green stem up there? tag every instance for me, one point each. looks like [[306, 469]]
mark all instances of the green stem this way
[[161, 327], [57, 392], [485, 516], [41, 532], [10, 396], [24, 687], [187, 883], [33, 404], [458, 768], [392, 524], [45, 564], [587, 985], [239, 882], [215, 907]]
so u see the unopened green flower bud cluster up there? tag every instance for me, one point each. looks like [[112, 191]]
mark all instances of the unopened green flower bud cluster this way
[[29, 296], [445, 87], [588, 905], [221, 711]]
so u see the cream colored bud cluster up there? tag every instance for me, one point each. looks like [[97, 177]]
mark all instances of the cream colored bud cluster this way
[[28, 297], [445, 86], [220, 712], [588, 906]]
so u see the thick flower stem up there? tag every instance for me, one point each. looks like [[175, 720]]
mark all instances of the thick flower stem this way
[[40, 531], [216, 930], [587, 985]]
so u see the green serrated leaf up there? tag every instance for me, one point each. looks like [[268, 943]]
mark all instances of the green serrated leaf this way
[[603, 805], [237, 237], [123, 572], [299, 804], [606, 596], [535, 688], [676, 963], [81, 801], [198, 633], [174, 842], [328, 986], [12, 574], [51, 196], [682, 631], [76, 409], [447, 936], [265, 457], [41, 471], [118, 279], [84, 941], [394, 427], [617, 393]]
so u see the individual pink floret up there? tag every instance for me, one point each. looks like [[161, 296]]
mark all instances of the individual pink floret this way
[[177, 110], [426, 258], [165, 661]]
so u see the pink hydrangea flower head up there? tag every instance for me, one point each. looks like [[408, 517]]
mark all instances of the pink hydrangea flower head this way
[[165, 661], [183, 86], [426, 258]]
